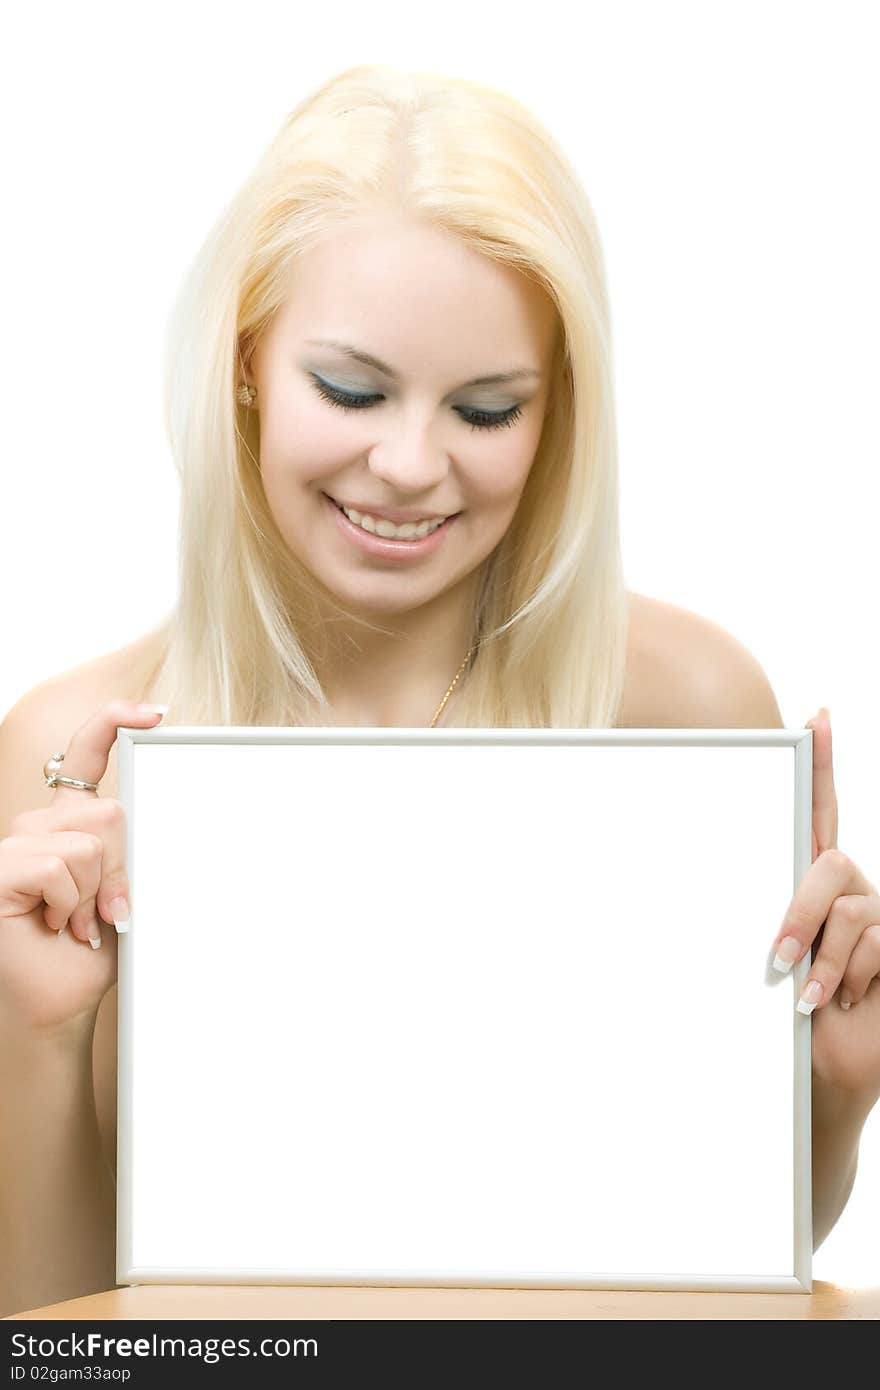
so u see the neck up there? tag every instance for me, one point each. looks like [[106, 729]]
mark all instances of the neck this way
[[396, 677]]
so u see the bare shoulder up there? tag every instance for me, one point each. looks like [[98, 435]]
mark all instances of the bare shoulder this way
[[685, 671], [123, 671]]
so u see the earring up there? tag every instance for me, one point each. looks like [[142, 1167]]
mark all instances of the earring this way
[[246, 395]]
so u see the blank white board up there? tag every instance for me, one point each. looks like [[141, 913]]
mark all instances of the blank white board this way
[[463, 1007]]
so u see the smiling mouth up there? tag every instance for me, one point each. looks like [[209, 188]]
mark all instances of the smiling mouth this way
[[389, 548], [430, 523]]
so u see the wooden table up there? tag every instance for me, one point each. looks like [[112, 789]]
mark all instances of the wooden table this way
[[158, 1301]]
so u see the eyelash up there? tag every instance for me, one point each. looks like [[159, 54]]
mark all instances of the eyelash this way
[[477, 419]]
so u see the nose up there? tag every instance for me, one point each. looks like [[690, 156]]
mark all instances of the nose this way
[[409, 460]]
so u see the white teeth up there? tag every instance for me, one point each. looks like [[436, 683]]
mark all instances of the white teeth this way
[[379, 527]]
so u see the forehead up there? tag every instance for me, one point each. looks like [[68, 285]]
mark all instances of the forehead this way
[[413, 293]]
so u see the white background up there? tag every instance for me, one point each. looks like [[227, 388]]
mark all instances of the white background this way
[[729, 151]]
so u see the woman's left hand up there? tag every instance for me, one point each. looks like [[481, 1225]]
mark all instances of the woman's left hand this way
[[837, 908]]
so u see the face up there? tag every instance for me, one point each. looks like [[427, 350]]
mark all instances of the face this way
[[412, 435]]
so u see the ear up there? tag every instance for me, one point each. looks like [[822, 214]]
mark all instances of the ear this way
[[245, 352]]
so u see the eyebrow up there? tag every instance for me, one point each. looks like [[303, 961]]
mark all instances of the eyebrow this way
[[515, 373]]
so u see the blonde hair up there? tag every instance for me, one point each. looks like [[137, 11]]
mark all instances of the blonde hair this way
[[551, 616]]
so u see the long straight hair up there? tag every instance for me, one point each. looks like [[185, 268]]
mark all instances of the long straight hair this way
[[550, 618]]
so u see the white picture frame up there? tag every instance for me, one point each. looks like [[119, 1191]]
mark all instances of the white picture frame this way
[[463, 1007]]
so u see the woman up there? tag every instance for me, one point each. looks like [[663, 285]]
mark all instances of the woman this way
[[390, 402]]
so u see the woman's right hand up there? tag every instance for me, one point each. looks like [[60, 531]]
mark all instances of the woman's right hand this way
[[65, 865]]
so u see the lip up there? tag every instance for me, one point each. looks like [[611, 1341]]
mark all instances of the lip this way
[[398, 515], [382, 548]]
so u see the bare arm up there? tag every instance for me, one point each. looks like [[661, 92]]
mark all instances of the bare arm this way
[[57, 1195], [838, 1119], [57, 1192]]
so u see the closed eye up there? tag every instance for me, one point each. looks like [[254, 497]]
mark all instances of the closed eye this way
[[477, 419]]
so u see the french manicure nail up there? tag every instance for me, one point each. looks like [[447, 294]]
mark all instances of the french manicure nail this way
[[95, 941], [121, 913], [845, 1000], [810, 996], [787, 954]]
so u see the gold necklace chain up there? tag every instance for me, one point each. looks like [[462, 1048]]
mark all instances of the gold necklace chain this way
[[442, 704]]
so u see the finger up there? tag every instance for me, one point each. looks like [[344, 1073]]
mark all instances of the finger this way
[[88, 752], [41, 874], [83, 863], [83, 852], [864, 963], [67, 858], [113, 896], [827, 878], [850, 915], [103, 816], [97, 818], [824, 794]]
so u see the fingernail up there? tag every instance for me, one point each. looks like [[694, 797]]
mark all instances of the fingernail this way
[[151, 709], [824, 710], [810, 996], [121, 913], [845, 1000], [95, 941], [787, 954]]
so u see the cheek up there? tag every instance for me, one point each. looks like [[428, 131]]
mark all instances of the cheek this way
[[500, 476], [300, 438]]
